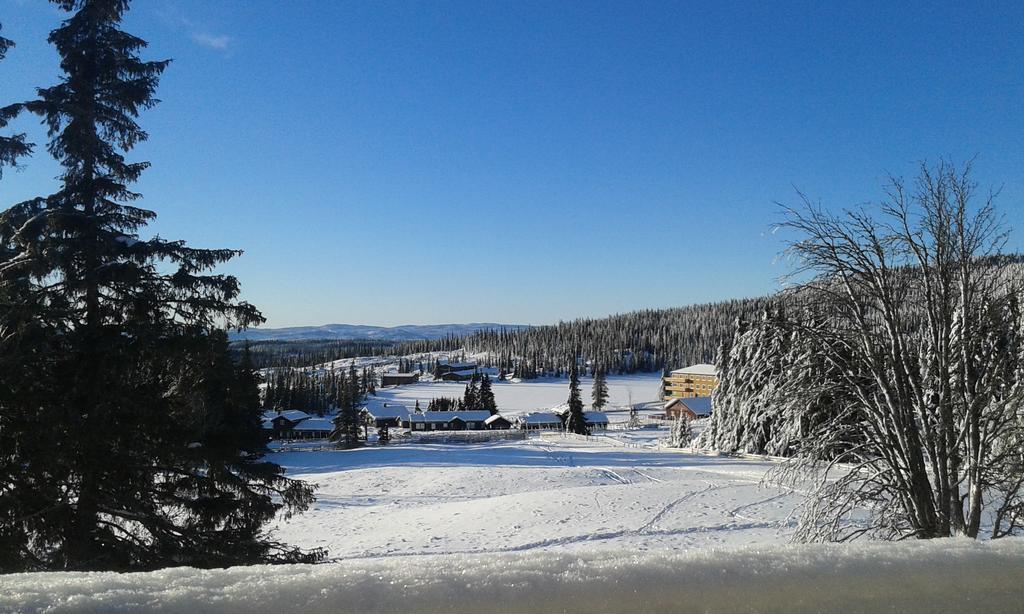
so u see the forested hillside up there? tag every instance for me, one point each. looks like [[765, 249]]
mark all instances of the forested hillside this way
[[648, 340], [638, 341], [310, 352]]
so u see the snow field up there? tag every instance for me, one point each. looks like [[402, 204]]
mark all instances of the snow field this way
[[935, 576], [539, 494], [549, 525], [532, 395]]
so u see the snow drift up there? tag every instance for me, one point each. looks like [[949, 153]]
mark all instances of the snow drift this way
[[934, 576]]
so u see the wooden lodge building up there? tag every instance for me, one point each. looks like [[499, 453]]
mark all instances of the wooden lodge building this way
[[458, 376], [398, 379], [456, 371], [475, 420], [693, 381], [378, 413], [540, 421], [691, 408], [295, 424]]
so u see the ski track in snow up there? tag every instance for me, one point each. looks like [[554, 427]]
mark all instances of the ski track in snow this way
[[644, 475], [665, 510]]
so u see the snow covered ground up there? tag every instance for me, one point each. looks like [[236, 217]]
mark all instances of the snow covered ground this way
[[552, 524], [534, 495], [935, 576], [532, 395]]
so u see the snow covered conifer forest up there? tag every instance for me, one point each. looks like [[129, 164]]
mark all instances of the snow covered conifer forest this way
[[640, 341]]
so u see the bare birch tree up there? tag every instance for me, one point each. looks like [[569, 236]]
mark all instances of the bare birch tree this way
[[911, 328]]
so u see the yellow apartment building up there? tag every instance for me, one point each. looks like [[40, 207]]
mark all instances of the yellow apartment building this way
[[692, 381]]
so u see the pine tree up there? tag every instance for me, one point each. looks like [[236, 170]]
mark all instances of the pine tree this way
[[599, 394], [682, 433], [485, 396], [347, 422], [383, 435], [152, 441], [575, 422], [471, 398], [355, 395], [346, 425]]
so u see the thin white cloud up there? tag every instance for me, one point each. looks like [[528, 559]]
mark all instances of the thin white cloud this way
[[219, 42], [171, 13]]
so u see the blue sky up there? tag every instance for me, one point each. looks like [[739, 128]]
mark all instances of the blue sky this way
[[406, 162]]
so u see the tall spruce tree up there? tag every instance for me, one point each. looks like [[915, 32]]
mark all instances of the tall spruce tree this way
[[347, 423], [599, 394], [471, 398], [485, 396], [136, 438], [575, 422]]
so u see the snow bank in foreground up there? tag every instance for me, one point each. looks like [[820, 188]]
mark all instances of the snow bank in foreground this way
[[936, 576]]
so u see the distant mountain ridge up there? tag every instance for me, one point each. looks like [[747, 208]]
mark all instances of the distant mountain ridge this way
[[408, 332]]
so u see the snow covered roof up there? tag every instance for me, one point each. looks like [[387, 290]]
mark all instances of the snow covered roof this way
[[701, 369], [378, 408], [589, 416], [448, 416], [495, 418], [700, 406], [462, 373], [404, 375], [560, 409], [460, 366], [292, 415], [315, 424], [541, 417]]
